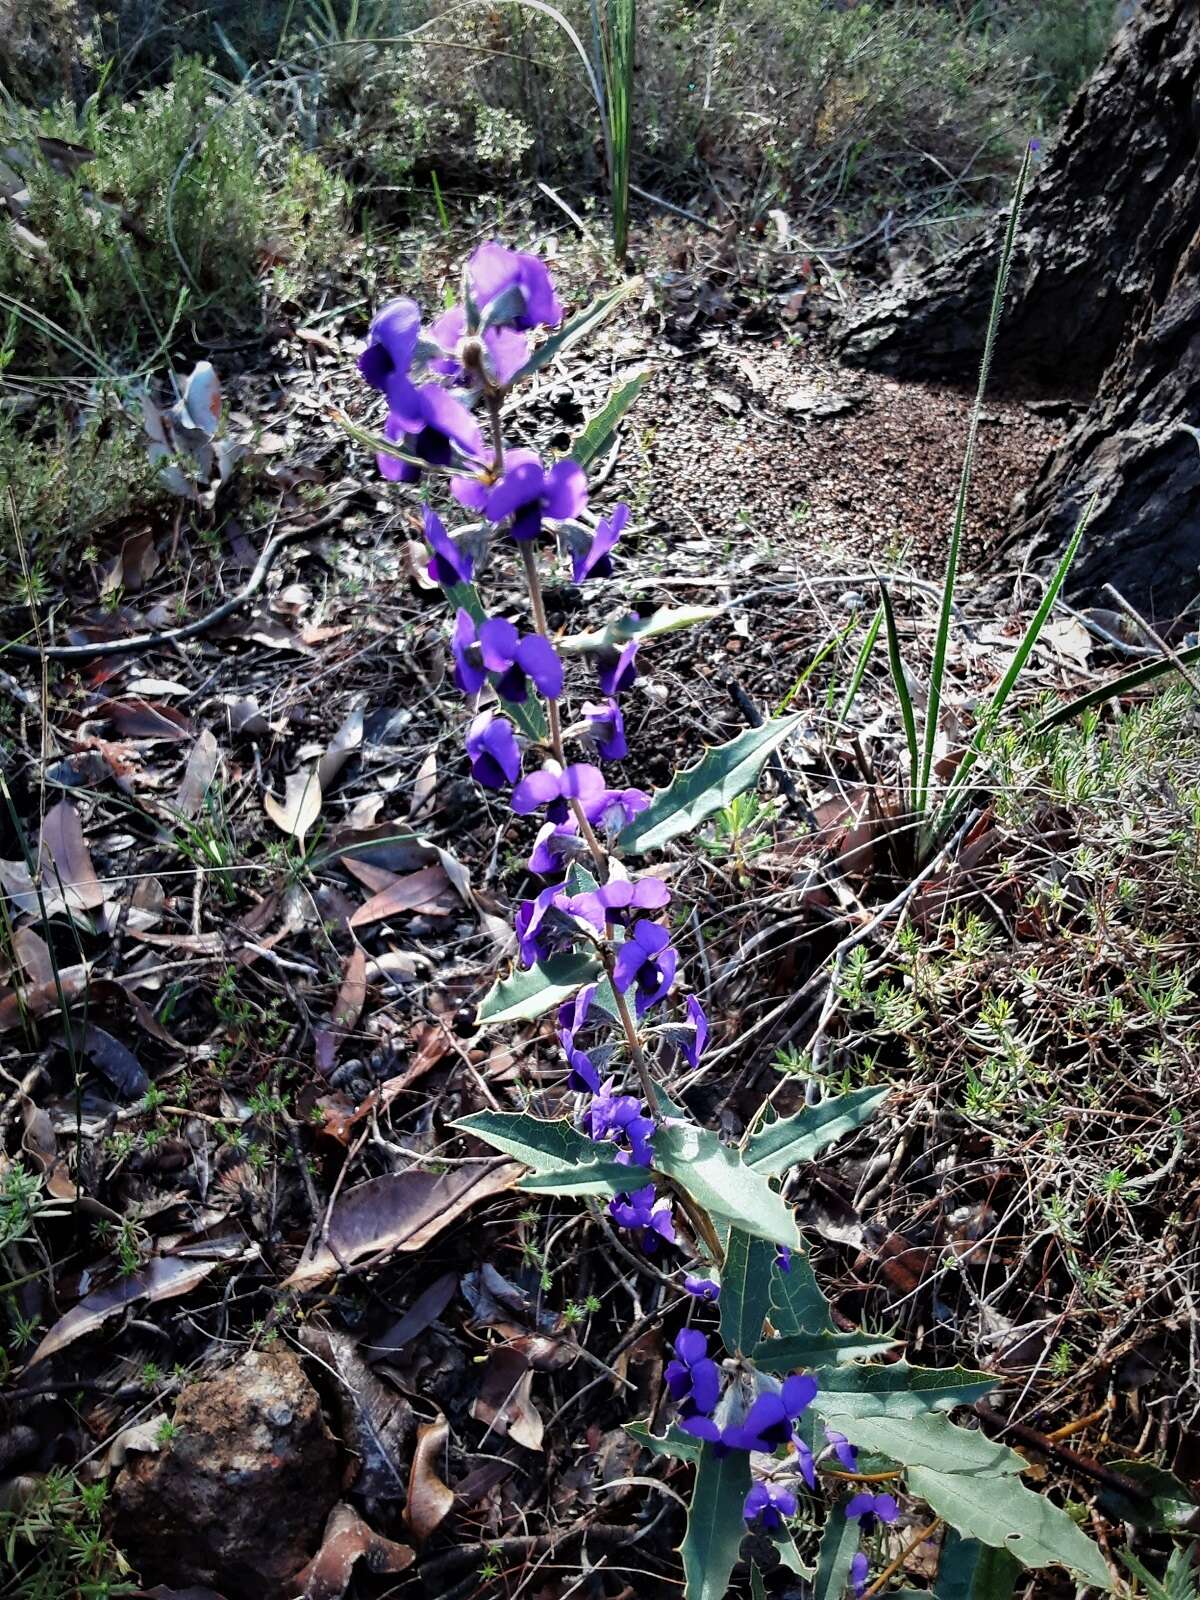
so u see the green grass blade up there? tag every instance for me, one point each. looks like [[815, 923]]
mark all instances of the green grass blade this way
[[900, 683], [860, 670], [938, 670], [956, 790], [1126, 684]]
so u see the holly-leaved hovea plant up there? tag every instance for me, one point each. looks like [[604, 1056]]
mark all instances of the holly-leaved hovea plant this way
[[791, 1421]]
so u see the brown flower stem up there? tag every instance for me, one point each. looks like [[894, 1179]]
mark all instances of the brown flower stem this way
[[894, 1566]]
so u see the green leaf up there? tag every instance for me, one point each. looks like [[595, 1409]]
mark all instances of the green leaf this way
[[969, 1570], [580, 326], [797, 1304], [898, 1390], [1126, 684], [594, 1177], [921, 1438], [1164, 1504], [674, 1442], [838, 1545], [786, 1143], [669, 619], [790, 1557], [526, 714], [817, 1350], [530, 992], [745, 1290], [1003, 1513], [544, 1146], [715, 1525], [720, 775], [721, 1184], [900, 684], [598, 430]]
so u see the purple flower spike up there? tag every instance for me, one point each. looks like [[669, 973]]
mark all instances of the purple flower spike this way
[[615, 901], [869, 1509], [783, 1257], [766, 1506], [770, 1422], [494, 271], [583, 1077], [450, 564], [429, 423], [859, 1569], [647, 960], [518, 660], [492, 748], [554, 788], [606, 730], [468, 668], [573, 1014], [504, 352], [692, 1049], [595, 561], [615, 809], [527, 493], [537, 930], [391, 343], [555, 843], [702, 1288], [644, 1213], [616, 670], [693, 1378], [843, 1449]]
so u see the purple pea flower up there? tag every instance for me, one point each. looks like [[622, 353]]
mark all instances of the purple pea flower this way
[[554, 843], [766, 1506], [583, 1077], [494, 359], [871, 1508], [613, 1117], [539, 932], [554, 787], [594, 560], [527, 493], [430, 423], [492, 748], [614, 809], [691, 1047], [606, 730], [616, 669], [693, 1378], [647, 960], [702, 1288], [450, 563], [783, 1257], [859, 1568], [524, 281], [616, 901], [573, 1014], [843, 1449], [770, 1424], [392, 342], [642, 1212], [497, 647]]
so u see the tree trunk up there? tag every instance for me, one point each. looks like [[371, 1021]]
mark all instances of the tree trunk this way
[[1105, 299]]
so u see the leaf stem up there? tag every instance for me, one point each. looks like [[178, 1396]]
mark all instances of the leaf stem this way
[[894, 1566]]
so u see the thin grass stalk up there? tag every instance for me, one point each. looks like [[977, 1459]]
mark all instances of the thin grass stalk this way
[[900, 683], [618, 30], [860, 668], [1126, 684], [938, 670], [956, 791]]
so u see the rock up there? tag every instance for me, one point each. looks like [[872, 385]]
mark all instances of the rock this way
[[239, 1497]]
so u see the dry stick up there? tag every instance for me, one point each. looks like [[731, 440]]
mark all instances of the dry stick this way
[[1155, 638], [894, 1566], [138, 643]]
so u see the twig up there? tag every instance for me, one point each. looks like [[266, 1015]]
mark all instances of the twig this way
[[892, 1567], [994, 1424], [1155, 639]]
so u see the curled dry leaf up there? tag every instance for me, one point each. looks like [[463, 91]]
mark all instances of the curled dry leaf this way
[[140, 719], [426, 1308], [300, 806], [401, 1211], [39, 1000], [430, 1500], [347, 1540], [198, 776], [505, 1400], [342, 746], [68, 877], [373, 1420], [112, 1058], [160, 1279]]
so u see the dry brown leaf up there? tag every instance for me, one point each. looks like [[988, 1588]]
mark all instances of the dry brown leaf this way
[[424, 788], [160, 1279], [139, 719], [33, 956], [504, 1401], [352, 995], [67, 869], [371, 877], [39, 1000], [425, 891], [430, 1501], [348, 1539], [342, 746], [300, 806], [198, 776], [401, 1211]]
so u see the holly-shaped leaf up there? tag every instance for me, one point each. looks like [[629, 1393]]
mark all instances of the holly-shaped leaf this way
[[716, 1524]]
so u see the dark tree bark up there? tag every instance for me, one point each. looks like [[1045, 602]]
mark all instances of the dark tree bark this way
[[1105, 302]]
